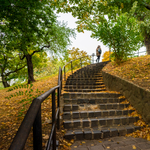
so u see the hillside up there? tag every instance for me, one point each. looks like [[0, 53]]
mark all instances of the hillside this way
[[13, 109], [136, 70], [14, 103]]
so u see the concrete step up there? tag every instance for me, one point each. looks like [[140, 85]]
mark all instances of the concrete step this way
[[89, 71], [93, 100], [99, 122], [95, 114], [83, 86], [84, 83], [87, 76], [85, 90], [85, 79], [91, 95], [100, 133], [85, 107]]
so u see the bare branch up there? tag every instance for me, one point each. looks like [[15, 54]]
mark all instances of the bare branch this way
[[46, 46], [146, 5], [22, 57], [17, 69]]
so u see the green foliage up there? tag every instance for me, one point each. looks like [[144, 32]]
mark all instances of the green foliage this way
[[11, 67], [31, 27], [74, 54], [28, 94], [120, 34], [115, 23]]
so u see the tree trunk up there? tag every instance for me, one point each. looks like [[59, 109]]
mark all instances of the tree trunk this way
[[4, 81], [147, 44], [30, 69]]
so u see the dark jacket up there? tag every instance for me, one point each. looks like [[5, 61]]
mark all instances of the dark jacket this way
[[97, 53]]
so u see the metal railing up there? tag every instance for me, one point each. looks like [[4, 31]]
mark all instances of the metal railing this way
[[138, 53], [33, 116], [79, 65], [33, 119]]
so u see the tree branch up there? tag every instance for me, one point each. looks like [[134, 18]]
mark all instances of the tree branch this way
[[22, 57], [46, 46], [35, 52], [146, 5], [17, 69]]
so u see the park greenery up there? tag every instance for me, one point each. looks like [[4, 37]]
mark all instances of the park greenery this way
[[28, 28], [16, 100], [30, 31], [122, 25]]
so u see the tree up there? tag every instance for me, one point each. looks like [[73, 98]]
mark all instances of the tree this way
[[121, 35], [106, 56], [10, 66], [33, 26], [141, 11], [76, 53], [96, 10]]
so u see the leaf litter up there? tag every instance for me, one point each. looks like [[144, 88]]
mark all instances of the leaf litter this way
[[13, 108], [137, 71]]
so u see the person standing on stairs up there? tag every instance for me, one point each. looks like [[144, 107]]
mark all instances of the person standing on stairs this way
[[98, 53]]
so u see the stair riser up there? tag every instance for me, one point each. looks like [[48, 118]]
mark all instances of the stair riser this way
[[92, 114], [86, 84], [100, 134], [85, 79], [83, 87], [88, 76], [97, 123], [85, 90], [89, 72], [93, 101], [93, 107], [90, 95]]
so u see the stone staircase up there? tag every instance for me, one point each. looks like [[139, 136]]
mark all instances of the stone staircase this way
[[91, 112]]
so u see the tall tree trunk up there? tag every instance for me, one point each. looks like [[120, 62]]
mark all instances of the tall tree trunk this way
[[4, 81], [147, 43], [30, 69]]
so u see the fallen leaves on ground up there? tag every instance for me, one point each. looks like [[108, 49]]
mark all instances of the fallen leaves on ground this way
[[11, 118], [135, 70]]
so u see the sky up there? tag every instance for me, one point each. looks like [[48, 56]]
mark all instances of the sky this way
[[83, 41]]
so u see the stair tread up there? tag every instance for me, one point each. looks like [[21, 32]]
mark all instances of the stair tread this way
[[97, 118], [81, 111], [92, 112]]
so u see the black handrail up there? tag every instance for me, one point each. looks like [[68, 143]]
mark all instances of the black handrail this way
[[71, 63], [33, 118], [138, 53]]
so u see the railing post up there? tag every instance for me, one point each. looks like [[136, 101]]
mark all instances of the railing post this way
[[93, 58], [37, 131], [58, 96], [61, 81], [71, 68], [64, 74], [53, 120], [109, 53], [81, 62]]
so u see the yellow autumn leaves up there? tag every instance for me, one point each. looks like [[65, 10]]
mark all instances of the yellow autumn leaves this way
[[136, 70]]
